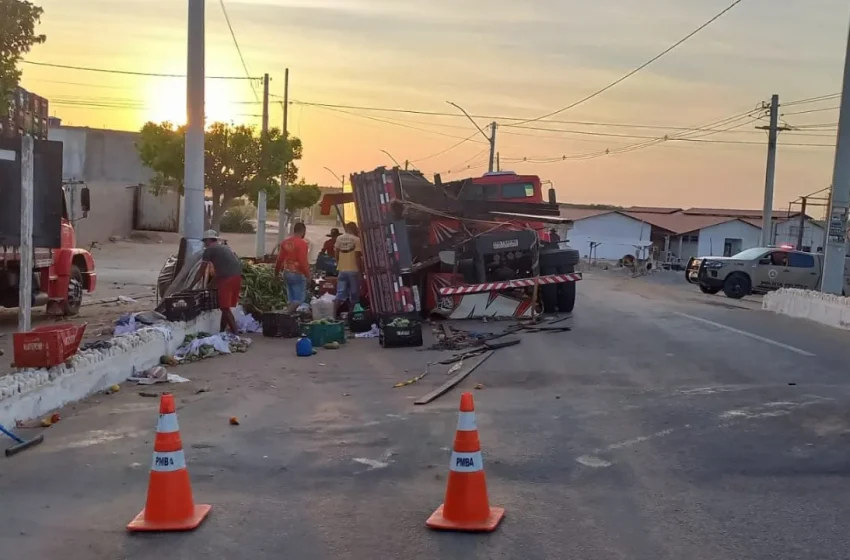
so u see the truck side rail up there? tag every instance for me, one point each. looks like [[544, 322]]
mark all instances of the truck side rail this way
[[509, 284]]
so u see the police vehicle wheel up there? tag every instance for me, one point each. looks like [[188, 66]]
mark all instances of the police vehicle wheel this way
[[737, 285]]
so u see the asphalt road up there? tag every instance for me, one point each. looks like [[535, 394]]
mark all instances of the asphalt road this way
[[658, 428]]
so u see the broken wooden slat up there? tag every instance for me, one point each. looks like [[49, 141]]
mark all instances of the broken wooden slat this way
[[465, 370]]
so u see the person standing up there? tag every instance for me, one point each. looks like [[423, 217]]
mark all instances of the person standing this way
[[349, 256], [292, 262], [329, 246], [228, 277]]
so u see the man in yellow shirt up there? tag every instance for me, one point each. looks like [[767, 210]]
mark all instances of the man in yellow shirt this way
[[349, 256]]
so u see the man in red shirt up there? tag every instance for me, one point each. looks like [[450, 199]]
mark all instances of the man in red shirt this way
[[329, 246], [292, 262]]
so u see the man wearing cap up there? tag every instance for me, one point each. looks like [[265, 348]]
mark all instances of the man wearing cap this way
[[330, 245], [228, 277]]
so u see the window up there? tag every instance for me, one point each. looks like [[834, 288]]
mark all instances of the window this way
[[518, 190], [779, 258], [801, 260]]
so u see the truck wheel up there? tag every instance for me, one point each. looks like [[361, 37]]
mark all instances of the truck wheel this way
[[737, 285], [74, 299], [548, 292], [708, 290], [558, 257], [566, 297]]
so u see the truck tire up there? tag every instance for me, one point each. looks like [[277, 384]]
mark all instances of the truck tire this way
[[558, 257], [708, 290], [74, 299], [566, 297], [549, 292], [737, 285]]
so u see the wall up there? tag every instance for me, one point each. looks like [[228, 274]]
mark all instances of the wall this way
[[618, 235], [110, 166], [786, 232], [711, 239]]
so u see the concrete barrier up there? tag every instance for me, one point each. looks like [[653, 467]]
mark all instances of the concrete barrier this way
[[827, 309], [33, 393]]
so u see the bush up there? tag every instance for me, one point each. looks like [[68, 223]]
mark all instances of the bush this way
[[237, 220]]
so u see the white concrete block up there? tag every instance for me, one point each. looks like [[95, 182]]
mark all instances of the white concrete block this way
[[827, 309], [33, 393]]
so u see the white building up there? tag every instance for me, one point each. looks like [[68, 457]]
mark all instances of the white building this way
[[678, 235]]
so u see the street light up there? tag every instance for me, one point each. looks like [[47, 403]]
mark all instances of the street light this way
[[491, 139], [397, 164], [340, 178]]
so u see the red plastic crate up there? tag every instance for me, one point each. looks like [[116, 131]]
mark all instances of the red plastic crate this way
[[47, 346]]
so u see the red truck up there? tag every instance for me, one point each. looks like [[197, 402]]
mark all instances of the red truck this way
[[478, 247], [61, 270]]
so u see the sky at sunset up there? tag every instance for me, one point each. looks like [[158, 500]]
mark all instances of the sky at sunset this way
[[499, 57]]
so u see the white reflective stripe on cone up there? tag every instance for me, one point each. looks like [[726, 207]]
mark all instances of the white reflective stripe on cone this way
[[466, 462], [167, 423], [466, 422], [168, 461]]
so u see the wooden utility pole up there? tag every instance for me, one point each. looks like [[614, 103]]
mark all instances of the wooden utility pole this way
[[802, 224]]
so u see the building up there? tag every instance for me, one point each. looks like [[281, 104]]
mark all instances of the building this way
[[678, 234], [27, 115], [107, 162]]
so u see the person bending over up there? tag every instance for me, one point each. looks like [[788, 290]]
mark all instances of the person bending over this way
[[292, 262], [228, 277]]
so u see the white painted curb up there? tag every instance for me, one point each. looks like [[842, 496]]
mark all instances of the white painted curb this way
[[827, 309], [33, 393]]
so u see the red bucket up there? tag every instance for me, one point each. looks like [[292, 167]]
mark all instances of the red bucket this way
[[47, 346]]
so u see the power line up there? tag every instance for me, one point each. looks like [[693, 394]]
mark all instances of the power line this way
[[811, 111], [128, 72], [816, 99], [450, 148], [238, 49], [639, 68]]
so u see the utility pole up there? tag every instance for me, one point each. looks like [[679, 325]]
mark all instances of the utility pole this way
[[193, 175], [26, 249], [498, 165], [261, 196], [281, 214], [767, 212], [802, 223], [492, 145], [836, 234]]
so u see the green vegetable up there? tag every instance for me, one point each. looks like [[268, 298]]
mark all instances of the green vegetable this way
[[262, 289]]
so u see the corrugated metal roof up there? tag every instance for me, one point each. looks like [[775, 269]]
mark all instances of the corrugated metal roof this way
[[576, 214], [737, 213], [679, 223], [653, 209]]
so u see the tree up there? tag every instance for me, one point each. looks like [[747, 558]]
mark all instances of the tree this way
[[235, 162], [299, 195], [18, 19]]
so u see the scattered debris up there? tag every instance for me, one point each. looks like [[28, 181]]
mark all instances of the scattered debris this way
[[331, 346], [479, 386], [156, 374], [149, 394], [458, 377], [112, 389], [96, 345], [234, 421]]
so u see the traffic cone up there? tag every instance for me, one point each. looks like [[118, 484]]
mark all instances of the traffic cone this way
[[466, 507], [169, 506]]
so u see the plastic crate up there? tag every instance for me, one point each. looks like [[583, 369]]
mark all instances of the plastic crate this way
[[320, 334], [210, 302], [47, 346], [399, 337], [360, 321], [185, 306], [281, 324]]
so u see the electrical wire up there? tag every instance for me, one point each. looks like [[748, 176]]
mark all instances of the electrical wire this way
[[639, 68], [128, 72], [811, 111], [450, 148], [238, 49]]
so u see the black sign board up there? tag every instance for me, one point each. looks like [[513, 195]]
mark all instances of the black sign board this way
[[47, 193]]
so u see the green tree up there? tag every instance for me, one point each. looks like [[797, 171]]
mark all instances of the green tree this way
[[18, 20], [235, 162], [298, 195]]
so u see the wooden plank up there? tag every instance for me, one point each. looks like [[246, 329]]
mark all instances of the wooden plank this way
[[465, 370]]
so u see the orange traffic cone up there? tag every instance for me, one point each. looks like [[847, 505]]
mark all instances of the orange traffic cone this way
[[466, 507], [170, 506]]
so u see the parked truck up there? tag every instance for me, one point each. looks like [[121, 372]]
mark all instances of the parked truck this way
[[759, 270], [61, 271], [477, 247]]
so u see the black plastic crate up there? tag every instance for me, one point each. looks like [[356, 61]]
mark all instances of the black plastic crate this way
[[184, 306], [280, 324], [391, 336], [361, 321], [210, 300]]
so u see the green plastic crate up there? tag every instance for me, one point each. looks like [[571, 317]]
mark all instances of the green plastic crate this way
[[320, 335]]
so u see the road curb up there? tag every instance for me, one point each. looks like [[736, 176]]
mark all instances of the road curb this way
[[826, 309], [33, 393]]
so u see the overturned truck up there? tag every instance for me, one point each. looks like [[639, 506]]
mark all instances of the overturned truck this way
[[479, 247]]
